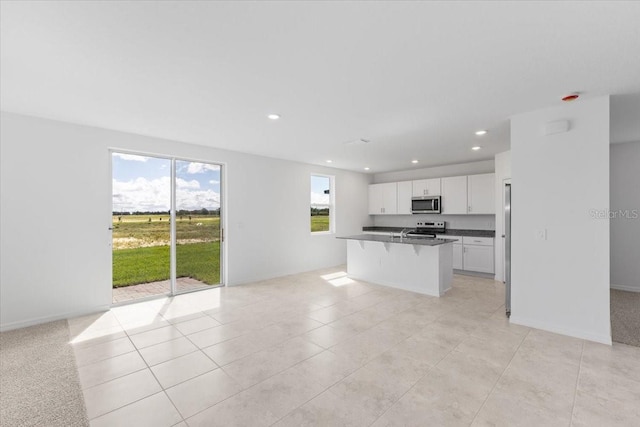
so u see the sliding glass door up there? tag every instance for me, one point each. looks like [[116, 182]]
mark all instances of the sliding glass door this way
[[166, 226], [197, 225]]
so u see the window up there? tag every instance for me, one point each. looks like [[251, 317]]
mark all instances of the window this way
[[322, 204]]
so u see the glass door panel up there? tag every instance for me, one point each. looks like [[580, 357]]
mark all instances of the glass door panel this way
[[197, 225], [141, 203]]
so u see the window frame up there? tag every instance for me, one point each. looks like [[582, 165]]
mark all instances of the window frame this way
[[331, 205]]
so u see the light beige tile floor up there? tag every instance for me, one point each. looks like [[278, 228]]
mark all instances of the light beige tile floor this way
[[299, 350]]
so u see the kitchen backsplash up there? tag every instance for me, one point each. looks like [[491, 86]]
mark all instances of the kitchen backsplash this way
[[460, 222]]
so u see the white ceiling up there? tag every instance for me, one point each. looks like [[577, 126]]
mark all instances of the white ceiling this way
[[416, 78]]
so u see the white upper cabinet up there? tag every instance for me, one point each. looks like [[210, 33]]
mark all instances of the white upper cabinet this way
[[426, 187], [375, 199], [481, 194], [404, 197], [454, 195], [383, 199], [473, 194]]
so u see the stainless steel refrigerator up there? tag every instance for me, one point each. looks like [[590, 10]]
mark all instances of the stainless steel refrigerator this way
[[507, 247]]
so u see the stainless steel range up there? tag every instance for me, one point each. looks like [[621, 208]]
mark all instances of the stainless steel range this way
[[428, 229]]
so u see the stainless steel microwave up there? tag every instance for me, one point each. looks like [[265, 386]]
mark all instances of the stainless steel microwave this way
[[426, 204]]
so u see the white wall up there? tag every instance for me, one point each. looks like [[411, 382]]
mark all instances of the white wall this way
[[503, 173], [464, 222], [625, 216], [561, 284], [56, 205]]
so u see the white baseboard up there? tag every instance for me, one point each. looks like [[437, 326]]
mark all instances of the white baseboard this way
[[46, 319], [625, 288], [537, 324]]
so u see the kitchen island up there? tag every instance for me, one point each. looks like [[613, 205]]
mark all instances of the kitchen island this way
[[423, 265]]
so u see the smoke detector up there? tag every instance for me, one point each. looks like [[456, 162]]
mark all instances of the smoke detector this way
[[571, 97]]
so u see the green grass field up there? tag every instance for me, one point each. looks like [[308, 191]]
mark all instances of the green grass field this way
[[200, 261], [141, 248], [319, 223]]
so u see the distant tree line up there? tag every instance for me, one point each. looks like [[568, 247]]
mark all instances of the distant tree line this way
[[203, 211], [319, 211]]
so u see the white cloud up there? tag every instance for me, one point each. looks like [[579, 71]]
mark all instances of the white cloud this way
[[214, 182], [201, 167], [142, 194], [184, 184], [191, 200], [320, 199], [132, 157]]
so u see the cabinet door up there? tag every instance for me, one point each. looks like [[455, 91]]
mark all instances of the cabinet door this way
[[375, 199], [404, 198], [478, 258], [419, 188], [426, 187], [457, 256], [482, 194], [433, 187], [454, 195], [390, 198]]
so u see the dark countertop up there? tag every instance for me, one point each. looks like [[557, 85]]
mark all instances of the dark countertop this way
[[405, 241], [449, 232]]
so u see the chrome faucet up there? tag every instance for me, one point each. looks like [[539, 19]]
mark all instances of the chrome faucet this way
[[404, 232]]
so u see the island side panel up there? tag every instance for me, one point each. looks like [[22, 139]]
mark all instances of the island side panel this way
[[424, 269], [446, 267]]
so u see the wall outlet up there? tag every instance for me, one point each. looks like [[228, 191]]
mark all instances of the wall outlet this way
[[541, 234]]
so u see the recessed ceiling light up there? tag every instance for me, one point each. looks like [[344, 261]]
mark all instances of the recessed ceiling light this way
[[476, 148], [481, 132], [274, 116], [329, 161], [367, 168], [414, 161]]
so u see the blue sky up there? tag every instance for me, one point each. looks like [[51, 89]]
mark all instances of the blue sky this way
[[143, 183], [318, 185]]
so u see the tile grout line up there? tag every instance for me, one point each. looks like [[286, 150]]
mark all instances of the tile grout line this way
[[250, 387], [575, 392], [499, 378], [162, 389], [419, 379], [414, 384]]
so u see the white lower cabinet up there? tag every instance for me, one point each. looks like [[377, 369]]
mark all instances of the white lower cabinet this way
[[478, 258], [472, 253]]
